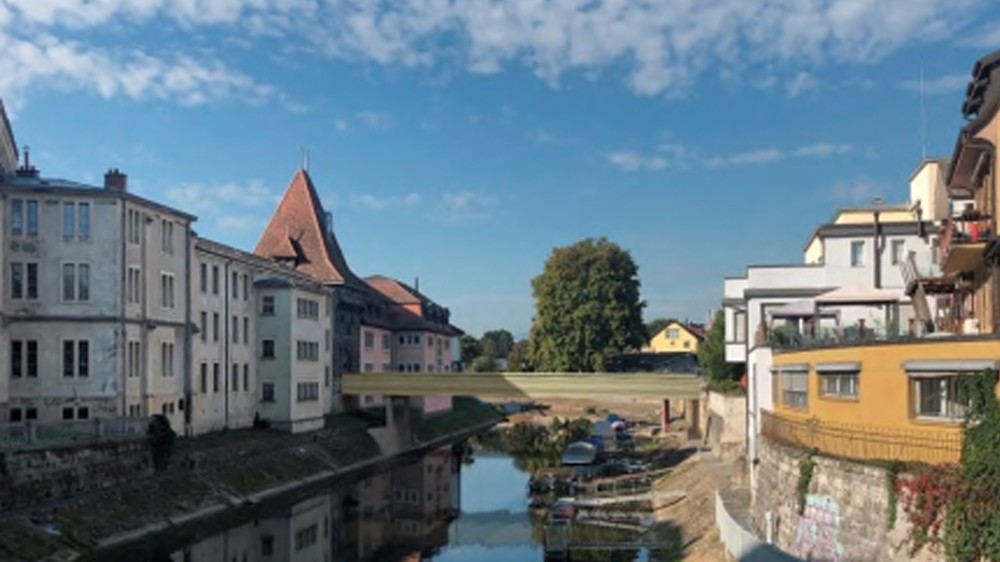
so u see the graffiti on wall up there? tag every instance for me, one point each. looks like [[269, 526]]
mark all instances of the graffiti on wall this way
[[818, 534]]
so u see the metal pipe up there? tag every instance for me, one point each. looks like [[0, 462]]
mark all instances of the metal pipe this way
[[878, 252]]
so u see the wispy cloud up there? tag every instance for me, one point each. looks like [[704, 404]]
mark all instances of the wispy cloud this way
[[383, 202], [550, 138], [341, 125], [465, 206], [803, 83], [226, 206], [373, 119], [666, 51], [771, 155], [938, 85], [861, 190], [632, 161]]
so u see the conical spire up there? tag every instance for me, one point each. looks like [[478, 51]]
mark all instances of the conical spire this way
[[297, 233]]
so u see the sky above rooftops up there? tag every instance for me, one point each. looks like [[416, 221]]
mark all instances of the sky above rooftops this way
[[458, 142]]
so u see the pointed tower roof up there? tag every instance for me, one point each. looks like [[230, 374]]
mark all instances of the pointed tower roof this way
[[298, 234]]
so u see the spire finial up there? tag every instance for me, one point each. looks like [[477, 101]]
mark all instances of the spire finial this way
[[305, 159]]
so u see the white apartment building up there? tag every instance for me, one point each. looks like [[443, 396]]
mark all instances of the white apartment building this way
[[847, 281]]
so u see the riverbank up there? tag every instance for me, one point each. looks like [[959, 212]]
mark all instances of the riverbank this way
[[218, 473]]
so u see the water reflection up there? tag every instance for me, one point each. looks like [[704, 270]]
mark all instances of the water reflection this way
[[427, 508]]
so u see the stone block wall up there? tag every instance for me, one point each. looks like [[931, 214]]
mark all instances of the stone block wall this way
[[30, 477], [844, 519], [725, 418]]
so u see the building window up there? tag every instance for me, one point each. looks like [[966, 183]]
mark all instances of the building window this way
[[16, 359], [386, 342], [267, 392], [16, 217], [204, 377], [236, 329], [166, 236], [369, 340], [794, 389], [673, 334], [267, 349], [167, 359], [215, 377], [133, 285], [896, 251], [76, 358], [858, 253], [82, 413], [236, 286], [369, 368], [76, 220], [236, 377], [134, 226], [67, 413], [133, 359], [246, 287], [215, 326], [839, 385], [939, 397], [31, 362], [167, 290], [307, 308], [386, 367], [24, 280], [31, 414], [203, 272], [307, 391], [246, 376], [246, 330], [215, 280], [267, 305], [307, 350], [204, 326], [15, 415], [306, 537], [76, 282]]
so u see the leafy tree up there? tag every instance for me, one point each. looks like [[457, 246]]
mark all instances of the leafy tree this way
[[654, 326], [482, 364], [518, 360], [497, 343], [712, 353], [587, 307], [471, 348]]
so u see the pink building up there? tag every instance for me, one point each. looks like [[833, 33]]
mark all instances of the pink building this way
[[420, 338]]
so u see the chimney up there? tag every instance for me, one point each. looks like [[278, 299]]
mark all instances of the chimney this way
[[115, 180], [416, 284], [27, 170]]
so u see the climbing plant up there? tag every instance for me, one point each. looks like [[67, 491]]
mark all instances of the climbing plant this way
[[892, 493], [806, 467], [957, 508]]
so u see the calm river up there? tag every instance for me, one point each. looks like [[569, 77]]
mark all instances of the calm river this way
[[431, 508]]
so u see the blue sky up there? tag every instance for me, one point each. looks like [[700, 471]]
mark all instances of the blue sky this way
[[461, 141]]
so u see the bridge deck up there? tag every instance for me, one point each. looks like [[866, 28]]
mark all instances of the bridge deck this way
[[527, 385]]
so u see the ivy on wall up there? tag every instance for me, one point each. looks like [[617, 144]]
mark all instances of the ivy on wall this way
[[957, 508], [806, 467]]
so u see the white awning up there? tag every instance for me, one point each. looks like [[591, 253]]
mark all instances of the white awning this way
[[800, 309], [857, 294]]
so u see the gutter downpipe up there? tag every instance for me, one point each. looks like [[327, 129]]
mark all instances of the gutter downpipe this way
[[188, 367], [878, 251]]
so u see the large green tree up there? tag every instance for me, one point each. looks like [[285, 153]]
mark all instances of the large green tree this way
[[471, 348], [497, 343], [518, 359], [712, 353], [587, 307]]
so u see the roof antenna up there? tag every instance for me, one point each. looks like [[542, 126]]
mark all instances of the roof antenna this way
[[923, 116], [305, 160]]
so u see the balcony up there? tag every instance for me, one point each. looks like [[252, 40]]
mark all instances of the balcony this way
[[962, 240], [862, 442]]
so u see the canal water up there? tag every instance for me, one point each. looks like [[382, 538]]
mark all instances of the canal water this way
[[443, 506]]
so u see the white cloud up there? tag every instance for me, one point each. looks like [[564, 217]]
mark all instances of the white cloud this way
[[218, 200], [380, 203], [373, 119], [945, 84], [465, 206], [632, 161], [341, 125], [664, 49], [861, 190], [772, 155], [802, 83]]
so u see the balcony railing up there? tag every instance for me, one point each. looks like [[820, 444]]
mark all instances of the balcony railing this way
[[863, 442], [786, 337]]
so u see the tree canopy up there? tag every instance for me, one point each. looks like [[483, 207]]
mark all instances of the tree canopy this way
[[712, 353], [497, 343], [471, 348], [587, 307], [518, 359]]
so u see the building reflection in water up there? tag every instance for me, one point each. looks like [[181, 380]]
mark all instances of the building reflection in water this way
[[400, 514]]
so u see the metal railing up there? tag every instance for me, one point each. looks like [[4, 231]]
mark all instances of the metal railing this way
[[30, 434], [740, 542], [863, 442], [783, 337]]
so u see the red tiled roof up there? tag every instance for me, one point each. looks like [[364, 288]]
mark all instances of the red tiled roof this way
[[696, 330], [395, 291], [296, 232]]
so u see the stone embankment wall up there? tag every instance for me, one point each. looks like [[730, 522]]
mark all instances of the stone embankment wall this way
[[723, 423], [30, 477], [845, 516]]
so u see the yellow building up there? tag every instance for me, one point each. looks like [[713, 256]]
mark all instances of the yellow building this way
[[676, 338], [899, 400]]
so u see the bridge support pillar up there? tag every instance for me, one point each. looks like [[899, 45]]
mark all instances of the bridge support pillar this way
[[665, 416], [691, 415]]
